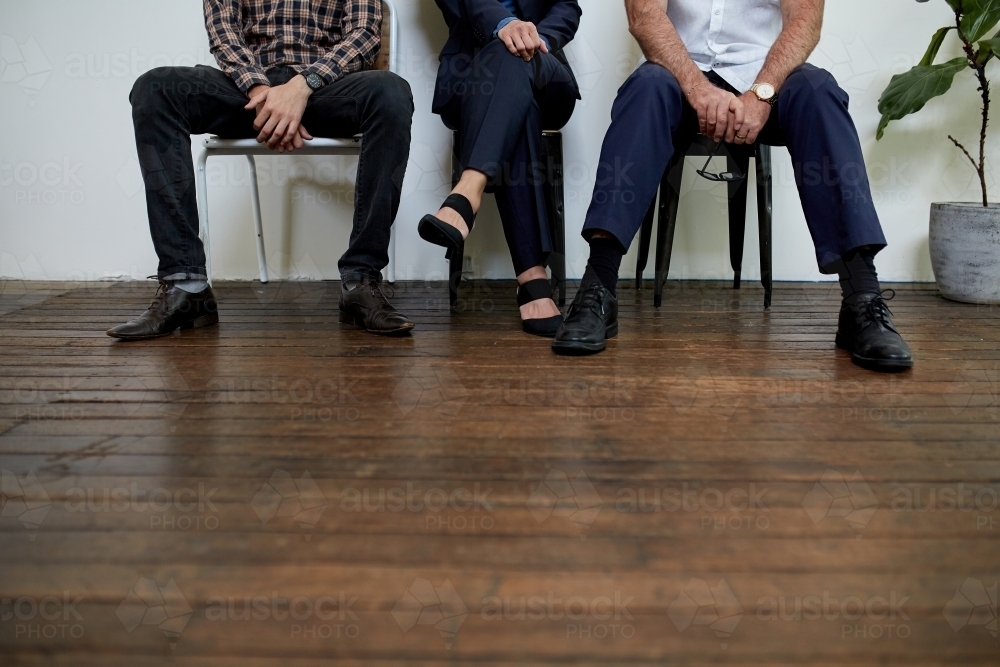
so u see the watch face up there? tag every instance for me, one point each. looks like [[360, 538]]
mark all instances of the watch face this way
[[315, 81], [765, 91]]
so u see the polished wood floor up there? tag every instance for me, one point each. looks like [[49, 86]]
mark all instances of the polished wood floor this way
[[721, 486]]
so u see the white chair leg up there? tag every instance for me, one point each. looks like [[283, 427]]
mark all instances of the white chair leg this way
[[257, 222], [391, 277], [202, 188]]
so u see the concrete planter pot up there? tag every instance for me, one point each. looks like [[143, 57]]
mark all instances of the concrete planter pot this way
[[965, 251]]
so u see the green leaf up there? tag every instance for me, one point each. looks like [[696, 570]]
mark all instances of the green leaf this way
[[935, 46], [979, 17], [908, 92], [987, 49]]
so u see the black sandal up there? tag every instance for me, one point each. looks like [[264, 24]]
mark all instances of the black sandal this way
[[533, 290], [435, 230]]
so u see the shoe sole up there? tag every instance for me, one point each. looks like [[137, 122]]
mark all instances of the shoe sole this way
[[585, 348], [429, 231], [350, 318], [198, 323], [877, 365]]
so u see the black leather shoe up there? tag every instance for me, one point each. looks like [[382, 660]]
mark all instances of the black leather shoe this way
[[365, 304], [592, 318], [172, 309], [867, 332]]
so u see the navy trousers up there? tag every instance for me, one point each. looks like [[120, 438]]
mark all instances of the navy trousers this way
[[651, 116], [499, 106]]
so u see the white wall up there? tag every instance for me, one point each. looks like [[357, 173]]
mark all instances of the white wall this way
[[71, 205]]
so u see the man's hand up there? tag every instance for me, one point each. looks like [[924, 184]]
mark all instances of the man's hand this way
[[279, 114], [720, 113], [755, 118], [522, 39]]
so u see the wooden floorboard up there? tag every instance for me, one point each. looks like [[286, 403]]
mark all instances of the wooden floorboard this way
[[721, 486]]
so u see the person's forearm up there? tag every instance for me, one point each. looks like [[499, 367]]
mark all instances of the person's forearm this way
[[802, 24], [359, 46], [226, 41], [660, 43]]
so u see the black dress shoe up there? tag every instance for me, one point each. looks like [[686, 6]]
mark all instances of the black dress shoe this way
[[592, 318], [867, 332], [365, 304], [534, 290], [172, 309]]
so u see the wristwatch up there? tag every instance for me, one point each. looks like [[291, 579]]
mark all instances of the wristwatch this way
[[765, 93], [315, 81]]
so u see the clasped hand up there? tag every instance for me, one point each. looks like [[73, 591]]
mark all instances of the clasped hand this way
[[279, 114], [522, 39], [726, 117]]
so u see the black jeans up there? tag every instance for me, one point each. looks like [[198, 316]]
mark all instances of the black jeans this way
[[500, 105], [169, 104]]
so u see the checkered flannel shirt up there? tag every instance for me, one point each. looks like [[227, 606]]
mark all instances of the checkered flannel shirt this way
[[330, 38]]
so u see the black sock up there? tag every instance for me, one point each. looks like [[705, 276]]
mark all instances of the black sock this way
[[857, 273], [605, 260]]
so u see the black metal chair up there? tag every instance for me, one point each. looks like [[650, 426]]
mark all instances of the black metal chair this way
[[738, 159], [555, 203]]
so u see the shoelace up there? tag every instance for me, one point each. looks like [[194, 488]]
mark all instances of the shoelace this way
[[161, 293], [878, 310], [592, 296], [378, 291]]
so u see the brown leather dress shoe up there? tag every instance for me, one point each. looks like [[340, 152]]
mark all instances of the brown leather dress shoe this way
[[364, 304], [172, 309]]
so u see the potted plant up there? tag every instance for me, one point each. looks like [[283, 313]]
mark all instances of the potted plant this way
[[964, 237]]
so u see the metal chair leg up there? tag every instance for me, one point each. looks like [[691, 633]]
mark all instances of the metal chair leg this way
[[455, 263], [737, 213], [555, 203], [644, 239], [257, 222], [391, 269], [202, 189], [764, 211], [670, 193]]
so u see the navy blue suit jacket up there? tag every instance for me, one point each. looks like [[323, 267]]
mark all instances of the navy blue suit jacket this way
[[471, 24]]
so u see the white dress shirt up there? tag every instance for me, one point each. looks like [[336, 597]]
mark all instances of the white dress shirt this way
[[731, 37]]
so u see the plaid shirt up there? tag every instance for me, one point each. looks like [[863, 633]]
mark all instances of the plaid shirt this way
[[330, 38]]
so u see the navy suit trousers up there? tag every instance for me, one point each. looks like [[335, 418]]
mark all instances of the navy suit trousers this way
[[651, 116], [499, 106]]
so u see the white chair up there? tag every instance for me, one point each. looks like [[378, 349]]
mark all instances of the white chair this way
[[388, 60]]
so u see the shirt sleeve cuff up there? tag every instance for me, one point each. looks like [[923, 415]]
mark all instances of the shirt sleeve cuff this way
[[327, 70], [503, 24], [248, 78]]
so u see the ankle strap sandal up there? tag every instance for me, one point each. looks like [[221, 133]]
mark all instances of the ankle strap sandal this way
[[534, 290], [434, 230]]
